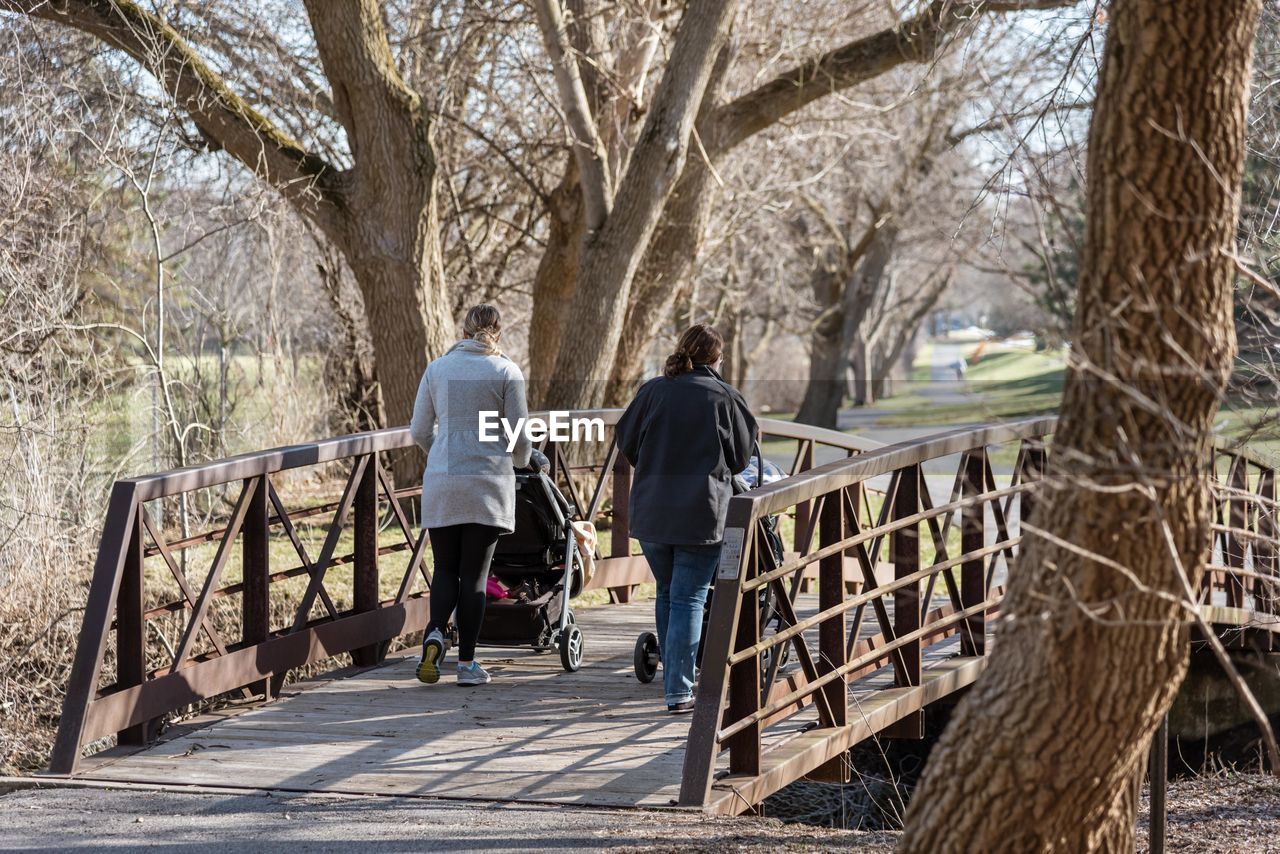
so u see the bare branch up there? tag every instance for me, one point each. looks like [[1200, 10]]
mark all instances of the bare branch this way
[[222, 116], [916, 40], [587, 145]]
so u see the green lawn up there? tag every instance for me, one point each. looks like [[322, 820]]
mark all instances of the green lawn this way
[[1002, 385]]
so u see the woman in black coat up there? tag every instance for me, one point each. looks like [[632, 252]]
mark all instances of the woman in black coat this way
[[687, 433]]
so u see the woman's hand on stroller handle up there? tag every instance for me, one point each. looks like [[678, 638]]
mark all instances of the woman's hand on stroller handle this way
[[537, 462]]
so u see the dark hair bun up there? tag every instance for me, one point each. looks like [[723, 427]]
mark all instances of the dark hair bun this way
[[700, 344]]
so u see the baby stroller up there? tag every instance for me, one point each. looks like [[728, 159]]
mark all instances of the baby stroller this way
[[541, 568], [647, 656]]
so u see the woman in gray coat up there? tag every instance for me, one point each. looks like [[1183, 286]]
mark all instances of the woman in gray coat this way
[[469, 487]]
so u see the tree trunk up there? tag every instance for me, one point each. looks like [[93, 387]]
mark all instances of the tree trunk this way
[[1042, 753], [555, 281], [388, 227], [350, 372], [840, 338], [827, 360], [663, 276], [410, 321], [864, 389], [612, 255]]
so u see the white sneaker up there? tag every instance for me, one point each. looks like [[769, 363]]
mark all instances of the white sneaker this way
[[472, 675], [434, 647]]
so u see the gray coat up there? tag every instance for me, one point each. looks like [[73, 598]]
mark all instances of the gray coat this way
[[467, 480]]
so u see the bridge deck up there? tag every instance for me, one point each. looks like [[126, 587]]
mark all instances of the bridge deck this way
[[537, 734]]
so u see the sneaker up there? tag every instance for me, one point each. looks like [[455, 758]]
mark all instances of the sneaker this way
[[683, 707], [473, 674], [433, 650]]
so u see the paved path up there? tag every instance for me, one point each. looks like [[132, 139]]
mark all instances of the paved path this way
[[943, 389], [250, 822]]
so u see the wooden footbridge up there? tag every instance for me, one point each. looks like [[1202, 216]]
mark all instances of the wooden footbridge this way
[[214, 583]]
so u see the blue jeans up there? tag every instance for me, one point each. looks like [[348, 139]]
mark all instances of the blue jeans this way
[[684, 575]]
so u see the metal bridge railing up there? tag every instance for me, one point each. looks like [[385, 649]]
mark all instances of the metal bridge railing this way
[[741, 698], [928, 571]]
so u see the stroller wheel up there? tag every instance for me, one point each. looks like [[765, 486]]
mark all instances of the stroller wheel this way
[[645, 660], [571, 648]]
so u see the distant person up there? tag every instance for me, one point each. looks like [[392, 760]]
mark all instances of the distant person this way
[[469, 486], [687, 433], [959, 367]]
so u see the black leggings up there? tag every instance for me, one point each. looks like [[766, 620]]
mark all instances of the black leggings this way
[[463, 554]]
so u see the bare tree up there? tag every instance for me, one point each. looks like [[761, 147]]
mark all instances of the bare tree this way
[[1042, 754], [724, 126], [612, 250], [380, 207]]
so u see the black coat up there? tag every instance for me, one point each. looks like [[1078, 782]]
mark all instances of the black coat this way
[[687, 436]]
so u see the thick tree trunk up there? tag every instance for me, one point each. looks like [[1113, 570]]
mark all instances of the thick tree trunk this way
[[663, 276], [388, 226], [555, 281], [394, 253], [410, 321], [827, 354], [613, 254], [1043, 752]]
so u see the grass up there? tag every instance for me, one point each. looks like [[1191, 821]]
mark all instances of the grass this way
[[1009, 384], [1002, 385], [123, 418]]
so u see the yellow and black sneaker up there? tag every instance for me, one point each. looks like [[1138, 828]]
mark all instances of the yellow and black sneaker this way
[[433, 650]]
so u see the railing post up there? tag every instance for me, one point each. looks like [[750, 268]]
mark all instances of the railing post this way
[[1158, 775], [713, 685], [973, 536], [131, 639], [1237, 521], [744, 677], [82, 687], [365, 593], [906, 560], [1209, 578], [1033, 463], [255, 602], [832, 634], [1265, 550], [620, 525], [553, 460], [804, 508]]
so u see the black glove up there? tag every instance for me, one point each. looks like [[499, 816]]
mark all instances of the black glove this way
[[538, 461]]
